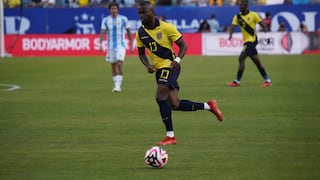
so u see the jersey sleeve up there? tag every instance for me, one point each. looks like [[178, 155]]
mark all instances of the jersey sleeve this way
[[126, 21], [257, 18], [173, 32], [235, 20], [103, 23], [138, 41]]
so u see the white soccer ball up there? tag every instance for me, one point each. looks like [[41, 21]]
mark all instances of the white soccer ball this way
[[156, 157]]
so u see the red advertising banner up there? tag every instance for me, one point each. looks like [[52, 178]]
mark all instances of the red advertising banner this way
[[198, 44], [73, 45]]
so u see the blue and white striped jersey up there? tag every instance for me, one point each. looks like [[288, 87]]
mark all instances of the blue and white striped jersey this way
[[116, 30]]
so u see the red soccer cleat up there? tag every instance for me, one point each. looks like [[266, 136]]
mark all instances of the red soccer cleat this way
[[233, 84], [215, 109], [167, 141], [266, 84]]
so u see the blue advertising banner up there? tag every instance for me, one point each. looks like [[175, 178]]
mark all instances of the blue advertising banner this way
[[187, 19]]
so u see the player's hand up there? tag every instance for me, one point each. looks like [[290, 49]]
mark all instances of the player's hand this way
[[230, 37], [174, 65], [151, 69]]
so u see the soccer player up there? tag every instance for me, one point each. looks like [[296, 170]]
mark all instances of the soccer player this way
[[115, 26], [157, 37], [247, 21]]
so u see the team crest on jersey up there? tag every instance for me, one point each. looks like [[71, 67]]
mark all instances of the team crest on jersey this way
[[159, 35]]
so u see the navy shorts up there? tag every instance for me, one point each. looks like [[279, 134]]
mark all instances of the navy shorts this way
[[168, 77], [249, 48]]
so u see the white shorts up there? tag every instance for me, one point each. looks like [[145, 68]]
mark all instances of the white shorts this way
[[116, 55]]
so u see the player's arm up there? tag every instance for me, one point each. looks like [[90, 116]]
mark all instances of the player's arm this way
[[259, 21], [234, 24], [182, 51], [144, 59], [102, 34], [182, 47], [231, 31], [263, 26], [130, 39]]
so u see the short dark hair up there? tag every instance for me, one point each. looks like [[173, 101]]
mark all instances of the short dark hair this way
[[113, 3], [144, 3]]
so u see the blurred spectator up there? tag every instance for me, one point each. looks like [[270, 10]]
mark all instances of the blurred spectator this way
[[125, 3], [11, 3], [204, 26], [215, 2], [26, 3], [251, 2], [95, 3], [71, 3], [235, 2], [129, 3], [202, 3], [271, 2], [36, 3], [267, 21], [103, 3], [300, 1], [302, 28], [83, 3], [282, 27], [214, 24], [164, 2], [60, 3], [188, 3], [48, 3]]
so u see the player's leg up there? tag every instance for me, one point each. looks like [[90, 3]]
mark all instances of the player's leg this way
[[187, 105], [115, 77], [111, 57], [120, 56], [167, 82], [118, 77], [184, 105], [241, 59], [256, 60], [241, 68], [166, 114], [119, 67]]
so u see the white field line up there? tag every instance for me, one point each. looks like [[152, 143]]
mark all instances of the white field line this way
[[10, 87]]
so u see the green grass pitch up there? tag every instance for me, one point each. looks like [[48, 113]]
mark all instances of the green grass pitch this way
[[64, 122]]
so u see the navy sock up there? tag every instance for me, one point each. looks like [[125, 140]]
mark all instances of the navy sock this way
[[165, 111], [263, 73], [186, 105], [239, 75]]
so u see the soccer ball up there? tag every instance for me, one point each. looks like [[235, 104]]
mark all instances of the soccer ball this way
[[156, 157]]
